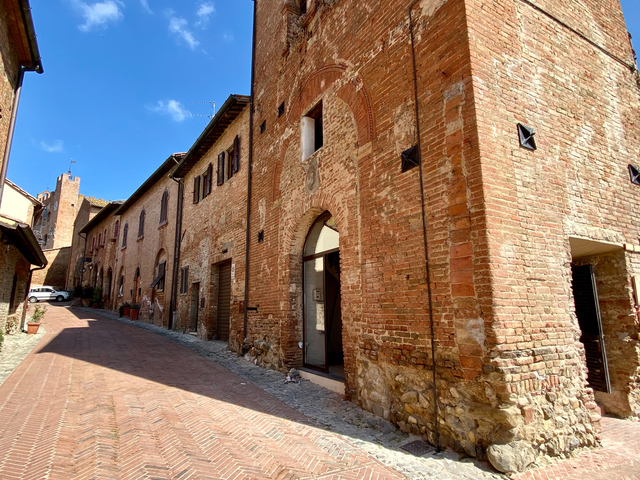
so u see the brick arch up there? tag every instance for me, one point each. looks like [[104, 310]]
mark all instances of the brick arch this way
[[302, 217], [353, 92]]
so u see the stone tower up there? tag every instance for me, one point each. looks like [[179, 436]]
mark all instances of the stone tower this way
[[54, 227]]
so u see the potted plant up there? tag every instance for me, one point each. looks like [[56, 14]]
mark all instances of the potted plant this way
[[87, 295], [34, 324], [135, 311], [126, 309], [97, 297]]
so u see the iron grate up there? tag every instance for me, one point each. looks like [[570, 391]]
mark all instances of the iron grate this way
[[418, 448]]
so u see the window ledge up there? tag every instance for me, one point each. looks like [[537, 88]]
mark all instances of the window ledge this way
[[123, 248], [162, 224], [140, 238]]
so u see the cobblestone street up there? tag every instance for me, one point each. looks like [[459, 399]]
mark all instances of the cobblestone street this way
[[101, 399]]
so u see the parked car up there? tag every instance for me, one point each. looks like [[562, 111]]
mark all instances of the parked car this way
[[47, 293]]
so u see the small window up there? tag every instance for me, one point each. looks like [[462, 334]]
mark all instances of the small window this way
[[312, 132], [141, 224], [303, 7], [263, 126], [93, 244], [184, 279], [125, 231], [196, 189], [104, 237], [281, 109], [164, 206], [220, 171], [116, 230]]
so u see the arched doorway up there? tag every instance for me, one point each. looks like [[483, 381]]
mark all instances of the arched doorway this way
[[322, 327]]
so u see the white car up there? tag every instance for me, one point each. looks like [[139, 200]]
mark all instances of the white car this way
[[47, 293]]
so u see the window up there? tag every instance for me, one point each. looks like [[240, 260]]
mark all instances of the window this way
[[196, 189], [281, 109], [220, 172], [141, 225], [184, 279], [312, 132], [104, 237], [159, 280], [44, 212], [303, 7], [125, 230], [93, 244], [164, 204], [99, 240], [233, 158], [117, 229]]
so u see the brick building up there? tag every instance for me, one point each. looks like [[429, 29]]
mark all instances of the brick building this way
[[100, 253], [430, 180], [146, 245], [210, 292], [509, 217], [89, 208], [20, 250], [55, 224]]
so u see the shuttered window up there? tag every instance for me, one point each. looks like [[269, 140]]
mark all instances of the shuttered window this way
[[208, 181], [196, 189], [159, 280], [236, 155], [221, 168], [141, 224], [125, 231], [164, 206], [184, 279]]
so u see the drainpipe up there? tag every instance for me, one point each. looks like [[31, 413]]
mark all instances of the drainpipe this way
[[424, 233], [173, 304], [26, 300], [249, 167], [12, 127]]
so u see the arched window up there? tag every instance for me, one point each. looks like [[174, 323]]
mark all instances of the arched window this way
[[164, 205], [141, 225], [125, 230], [116, 231]]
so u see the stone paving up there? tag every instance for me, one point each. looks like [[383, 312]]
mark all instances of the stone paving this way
[[14, 350], [101, 399]]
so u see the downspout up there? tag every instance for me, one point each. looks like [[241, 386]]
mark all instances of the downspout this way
[[12, 127], [424, 233], [26, 300], [173, 304], [249, 167]]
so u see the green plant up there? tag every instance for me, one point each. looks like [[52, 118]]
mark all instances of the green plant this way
[[38, 313], [135, 306], [97, 296], [1, 339]]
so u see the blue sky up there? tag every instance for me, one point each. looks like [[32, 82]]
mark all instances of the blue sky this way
[[122, 76]]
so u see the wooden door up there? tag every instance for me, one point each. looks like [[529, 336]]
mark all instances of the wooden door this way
[[224, 301], [588, 313]]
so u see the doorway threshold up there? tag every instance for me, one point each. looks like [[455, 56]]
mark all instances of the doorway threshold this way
[[326, 380]]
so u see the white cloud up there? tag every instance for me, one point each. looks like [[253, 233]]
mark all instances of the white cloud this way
[[173, 108], [205, 10], [55, 147], [180, 27], [99, 14], [228, 37], [145, 5]]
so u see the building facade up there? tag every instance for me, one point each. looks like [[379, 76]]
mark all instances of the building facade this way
[[210, 290], [462, 167]]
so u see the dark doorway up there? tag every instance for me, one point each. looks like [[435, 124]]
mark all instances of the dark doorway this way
[[193, 311], [322, 302], [588, 313], [224, 301]]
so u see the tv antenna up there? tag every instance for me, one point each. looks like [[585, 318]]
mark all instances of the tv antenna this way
[[71, 163], [213, 110]]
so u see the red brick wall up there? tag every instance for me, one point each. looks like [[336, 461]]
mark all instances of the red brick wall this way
[[216, 223]]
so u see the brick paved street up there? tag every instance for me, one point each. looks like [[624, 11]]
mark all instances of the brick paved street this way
[[101, 399], [106, 400]]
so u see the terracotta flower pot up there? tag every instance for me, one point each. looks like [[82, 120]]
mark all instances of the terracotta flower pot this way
[[126, 311], [32, 328], [134, 313]]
